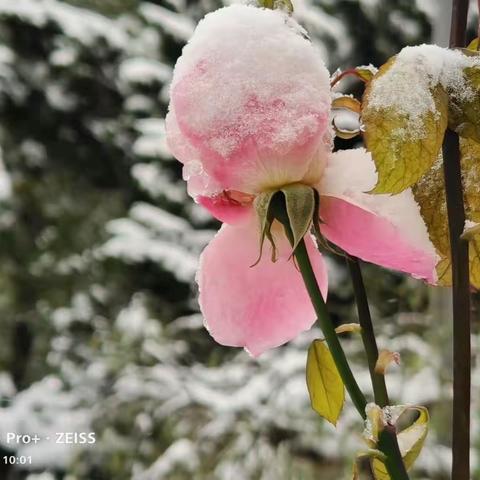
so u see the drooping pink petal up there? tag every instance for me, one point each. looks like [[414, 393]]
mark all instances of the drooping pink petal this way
[[258, 307], [382, 229], [226, 208], [256, 116]]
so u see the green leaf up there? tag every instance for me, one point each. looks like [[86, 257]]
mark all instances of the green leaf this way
[[325, 386], [402, 151], [410, 441], [300, 201], [464, 113]]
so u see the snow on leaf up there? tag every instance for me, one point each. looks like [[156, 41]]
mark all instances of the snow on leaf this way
[[404, 141], [325, 386], [464, 112]]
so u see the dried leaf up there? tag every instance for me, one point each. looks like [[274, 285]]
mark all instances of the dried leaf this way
[[349, 328], [385, 359]]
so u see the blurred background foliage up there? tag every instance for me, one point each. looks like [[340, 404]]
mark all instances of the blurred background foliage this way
[[100, 329]]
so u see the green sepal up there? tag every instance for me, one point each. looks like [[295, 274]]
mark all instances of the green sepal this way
[[294, 206], [261, 204], [301, 205]]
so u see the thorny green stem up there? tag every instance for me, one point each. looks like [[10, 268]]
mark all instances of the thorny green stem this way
[[328, 329], [460, 275], [388, 440], [367, 332]]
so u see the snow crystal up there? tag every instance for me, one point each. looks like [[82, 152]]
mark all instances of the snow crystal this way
[[134, 320], [63, 57], [160, 220], [158, 183], [152, 142], [469, 224], [417, 70], [295, 78], [5, 182], [7, 387], [181, 453], [144, 70], [44, 408], [179, 26], [317, 20], [83, 25], [135, 243]]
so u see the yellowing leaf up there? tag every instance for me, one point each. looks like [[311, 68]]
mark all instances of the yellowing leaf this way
[[464, 112], [470, 151], [366, 73], [325, 386], [277, 4], [430, 195], [410, 441], [403, 150], [473, 45], [355, 472]]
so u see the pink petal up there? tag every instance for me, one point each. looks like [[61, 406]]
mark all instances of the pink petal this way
[[258, 307], [255, 119], [198, 181], [382, 229], [226, 209]]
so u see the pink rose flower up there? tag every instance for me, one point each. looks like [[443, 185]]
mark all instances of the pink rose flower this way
[[249, 112]]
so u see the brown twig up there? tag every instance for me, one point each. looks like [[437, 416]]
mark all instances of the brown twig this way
[[460, 274]]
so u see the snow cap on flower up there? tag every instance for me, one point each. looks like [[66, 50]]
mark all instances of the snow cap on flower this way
[[250, 103]]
